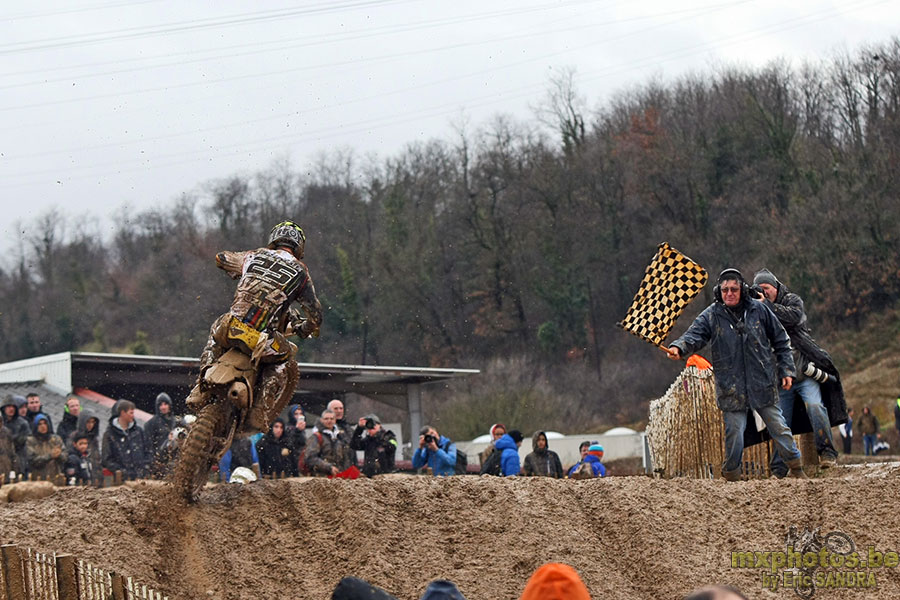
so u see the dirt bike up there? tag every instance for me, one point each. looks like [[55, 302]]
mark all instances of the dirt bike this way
[[227, 392]]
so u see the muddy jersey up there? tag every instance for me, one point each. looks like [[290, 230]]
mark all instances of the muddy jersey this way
[[269, 281]]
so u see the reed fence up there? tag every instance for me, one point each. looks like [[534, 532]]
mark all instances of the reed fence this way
[[686, 433], [26, 574]]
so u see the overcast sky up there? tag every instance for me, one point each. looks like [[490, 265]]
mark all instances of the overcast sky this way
[[114, 103]]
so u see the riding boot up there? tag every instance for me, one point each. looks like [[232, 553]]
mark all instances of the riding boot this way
[[796, 467], [734, 475], [278, 382]]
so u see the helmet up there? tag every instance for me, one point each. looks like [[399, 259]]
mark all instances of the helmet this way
[[288, 233]]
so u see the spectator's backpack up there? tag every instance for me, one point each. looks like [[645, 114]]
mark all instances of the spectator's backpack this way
[[462, 461], [492, 464]]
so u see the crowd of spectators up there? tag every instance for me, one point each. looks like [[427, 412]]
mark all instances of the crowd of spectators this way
[[29, 446]]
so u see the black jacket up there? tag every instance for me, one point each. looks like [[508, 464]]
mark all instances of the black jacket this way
[[157, 429], [544, 462], [276, 455], [125, 450], [788, 307], [379, 450], [67, 426], [79, 468], [750, 353]]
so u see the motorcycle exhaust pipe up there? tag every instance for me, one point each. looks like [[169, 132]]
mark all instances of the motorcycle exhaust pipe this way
[[818, 374]]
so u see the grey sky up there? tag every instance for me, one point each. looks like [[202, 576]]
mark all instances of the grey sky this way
[[108, 103]]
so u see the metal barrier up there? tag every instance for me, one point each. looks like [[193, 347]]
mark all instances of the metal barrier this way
[[26, 574]]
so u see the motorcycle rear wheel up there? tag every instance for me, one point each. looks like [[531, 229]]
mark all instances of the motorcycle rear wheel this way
[[192, 471]]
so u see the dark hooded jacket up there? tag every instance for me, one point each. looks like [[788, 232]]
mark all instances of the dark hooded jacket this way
[[30, 415], [40, 449], [67, 426], [80, 468], [509, 460], [544, 463], [324, 450], [19, 430], [93, 440], [378, 450], [789, 309], [9, 460], [276, 455], [298, 436], [158, 427], [125, 450], [749, 349]]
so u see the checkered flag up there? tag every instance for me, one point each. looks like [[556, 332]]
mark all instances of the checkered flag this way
[[670, 282]]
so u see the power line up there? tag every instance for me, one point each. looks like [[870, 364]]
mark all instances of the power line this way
[[432, 112], [185, 26]]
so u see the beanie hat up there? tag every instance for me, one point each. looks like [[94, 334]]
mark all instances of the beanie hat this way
[[765, 276], [441, 589], [516, 435], [555, 581], [372, 416], [595, 448], [19, 400]]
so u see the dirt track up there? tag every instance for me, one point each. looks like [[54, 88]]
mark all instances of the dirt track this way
[[628, 537]]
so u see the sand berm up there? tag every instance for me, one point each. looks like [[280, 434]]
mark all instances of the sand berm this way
[[628, 537]]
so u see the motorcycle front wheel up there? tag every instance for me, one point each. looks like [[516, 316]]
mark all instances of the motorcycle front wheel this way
[[192, 471]]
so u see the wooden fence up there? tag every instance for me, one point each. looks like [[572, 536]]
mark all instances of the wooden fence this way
[[687, 436], [26, 574]]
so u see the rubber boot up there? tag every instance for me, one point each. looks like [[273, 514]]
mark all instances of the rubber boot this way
[[796, 467], [734, 475]]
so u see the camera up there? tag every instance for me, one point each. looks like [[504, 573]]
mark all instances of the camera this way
[[370, 423], [818, 374], [757, 292], [430, 438]]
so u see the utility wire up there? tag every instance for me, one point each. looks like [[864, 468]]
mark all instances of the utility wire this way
[[369, 124]]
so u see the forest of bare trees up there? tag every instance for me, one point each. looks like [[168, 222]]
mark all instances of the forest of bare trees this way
[[515, 247]]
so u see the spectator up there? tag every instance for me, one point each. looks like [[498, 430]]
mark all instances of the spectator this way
[[337, 407], [158, 427], [18, 427], [442, 589], [869, 428], [508, 445], [46, 458], [90, 426], [163, 461], [555, 581], [9, 460], [816, 389], [125, 445], [897, 415], [297, 429], [590, 464], [353, 588], [751, 354], [241, 454], [378, 444], [717, 592], [497, 431], [846, 431], [79, 466], [276, 455], [542, 461], [22, 407], [34, 408], [436, 451], [327, 450], [69, 422]]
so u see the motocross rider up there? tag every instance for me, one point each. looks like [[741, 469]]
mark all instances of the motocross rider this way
[[270, 279]]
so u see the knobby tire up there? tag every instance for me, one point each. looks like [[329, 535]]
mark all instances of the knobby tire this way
[[192, 470]]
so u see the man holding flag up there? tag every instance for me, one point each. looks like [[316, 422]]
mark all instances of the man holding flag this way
[[751, 355]]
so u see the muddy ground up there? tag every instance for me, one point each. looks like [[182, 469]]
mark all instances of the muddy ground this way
[[628, 537]]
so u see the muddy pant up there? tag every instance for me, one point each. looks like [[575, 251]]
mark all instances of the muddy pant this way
[[276, 382], [736, 423], [811, 394]]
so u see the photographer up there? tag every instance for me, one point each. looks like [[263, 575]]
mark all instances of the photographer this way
[[816, 400], [438, 452], [379, 445]]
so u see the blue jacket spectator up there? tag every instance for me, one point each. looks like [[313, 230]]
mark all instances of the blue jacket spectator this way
[[508, 445], [439, 454], [592, 458], [242, 453]]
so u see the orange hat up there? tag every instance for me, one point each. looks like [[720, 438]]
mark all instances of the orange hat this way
[[698, 361], [555, 581]]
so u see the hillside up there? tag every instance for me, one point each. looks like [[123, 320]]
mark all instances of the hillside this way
[[628, 537]]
